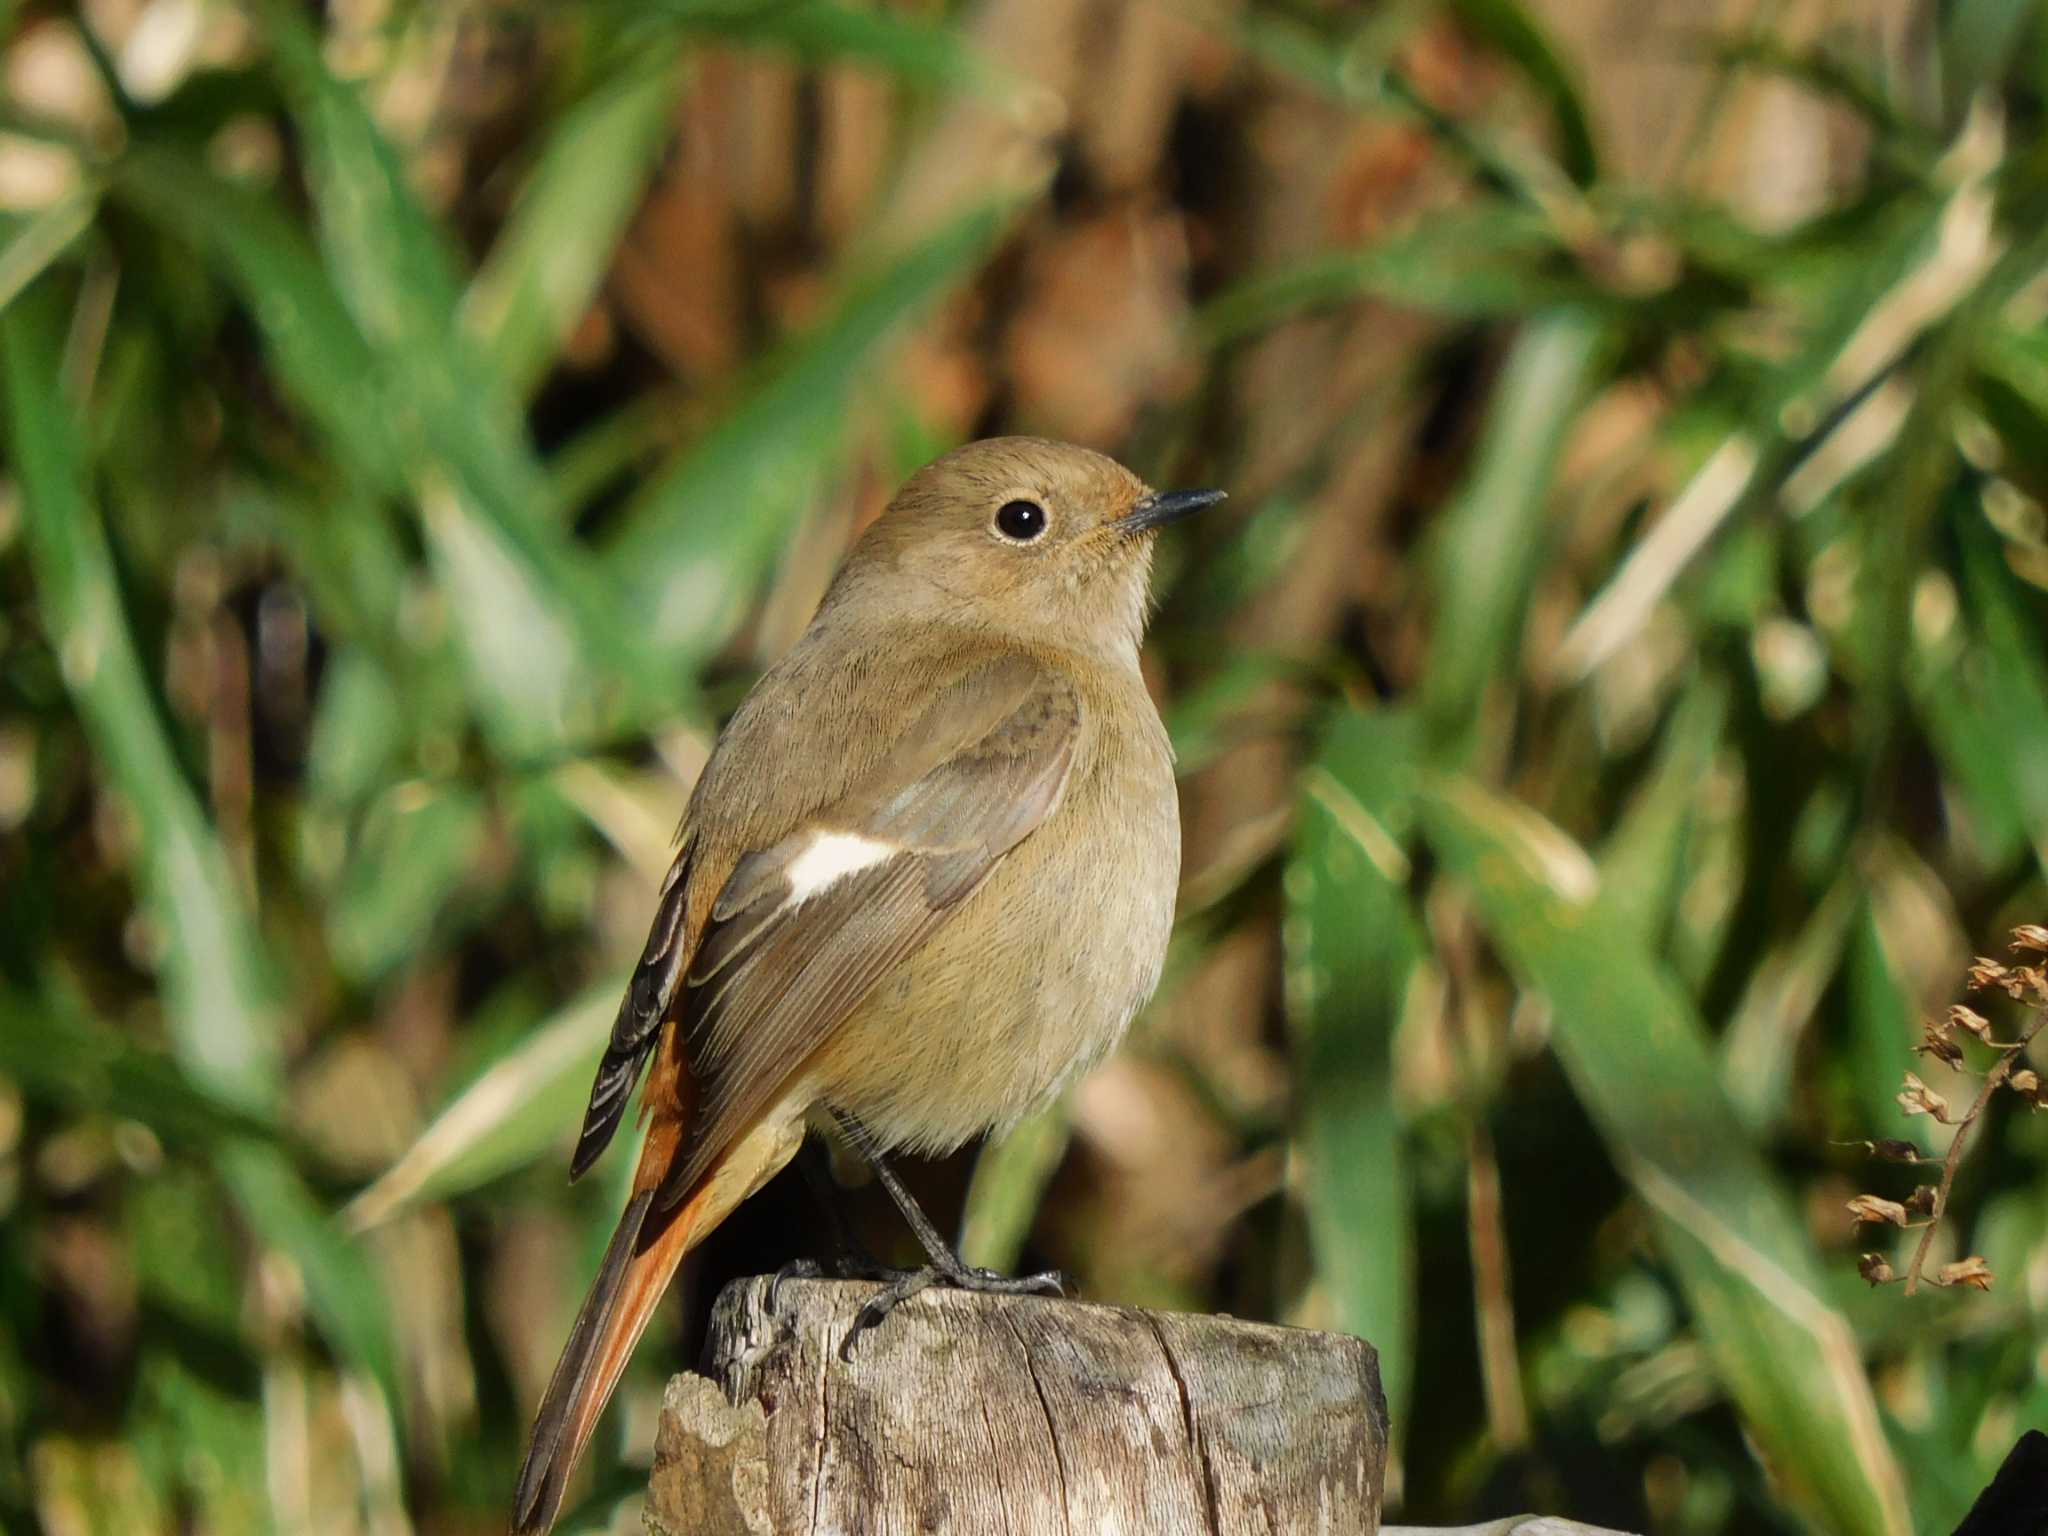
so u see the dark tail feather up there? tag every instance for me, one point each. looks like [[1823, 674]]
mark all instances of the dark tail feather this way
[[566, 1415]]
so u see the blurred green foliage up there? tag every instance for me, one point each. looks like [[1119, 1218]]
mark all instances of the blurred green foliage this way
[[359, 637]]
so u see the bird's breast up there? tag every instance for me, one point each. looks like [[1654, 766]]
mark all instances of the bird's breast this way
[[1034, 979]]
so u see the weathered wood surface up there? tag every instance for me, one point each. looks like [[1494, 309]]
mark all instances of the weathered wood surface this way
[[972, 1415]]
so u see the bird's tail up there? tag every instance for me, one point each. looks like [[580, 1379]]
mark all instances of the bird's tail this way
[[637, 1267]]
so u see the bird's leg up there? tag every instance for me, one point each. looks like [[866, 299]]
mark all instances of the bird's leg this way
[[946, 1266], [853, 1260]]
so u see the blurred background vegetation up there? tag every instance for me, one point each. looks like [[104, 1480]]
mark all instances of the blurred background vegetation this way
[[1611, 708]]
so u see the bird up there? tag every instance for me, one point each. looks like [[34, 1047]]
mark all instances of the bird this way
[[924, 881]]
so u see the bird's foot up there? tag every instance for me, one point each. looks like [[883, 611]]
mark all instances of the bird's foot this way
[[795, 1269], [902, 1284]]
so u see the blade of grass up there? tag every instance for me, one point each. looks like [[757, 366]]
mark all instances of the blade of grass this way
[[1511, 28], [1489, 544], [48, 1047], [518, 1108], [697, 542], [1648, 853], [222, 1010], [1759, 1048], [483, 494], [1010, 1178], [314, 343], [1352, 946], [825, 32], [36, 241], [1639, 1059], [558, 242], [414, 848], [1495, 259]]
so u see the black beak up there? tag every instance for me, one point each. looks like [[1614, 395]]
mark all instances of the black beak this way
[[1163, 507]]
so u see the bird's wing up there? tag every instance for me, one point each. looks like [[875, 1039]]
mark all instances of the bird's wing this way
[[803, 930], [649, 998]]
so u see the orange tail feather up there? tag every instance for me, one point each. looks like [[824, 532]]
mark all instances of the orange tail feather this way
[[637, 1267]]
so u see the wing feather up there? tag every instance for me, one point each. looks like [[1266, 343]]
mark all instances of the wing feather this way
[[649, 999], [783, 962]]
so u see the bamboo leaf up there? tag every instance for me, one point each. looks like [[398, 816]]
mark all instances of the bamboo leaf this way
[[698, 541], [1010, 1178], [520, 1106], [223, 1014], [222, 1011], [1489, 549], [1639, 1060], [556, 247], [1510, 27], [482, 493], [1352, 947]]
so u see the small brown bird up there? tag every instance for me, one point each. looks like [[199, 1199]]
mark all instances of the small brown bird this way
[[925, 880]]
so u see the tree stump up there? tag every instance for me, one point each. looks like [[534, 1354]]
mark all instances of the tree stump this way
[[967, 1415]]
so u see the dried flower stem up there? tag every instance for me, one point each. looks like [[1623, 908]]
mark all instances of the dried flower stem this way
[[1952, 1159]]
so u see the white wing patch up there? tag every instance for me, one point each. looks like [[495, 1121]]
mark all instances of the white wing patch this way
[[829, 859]]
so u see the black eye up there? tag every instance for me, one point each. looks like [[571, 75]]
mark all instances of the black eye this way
[[1020, 520]]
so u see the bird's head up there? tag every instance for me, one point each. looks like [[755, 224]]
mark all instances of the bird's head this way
[[1037, 538]]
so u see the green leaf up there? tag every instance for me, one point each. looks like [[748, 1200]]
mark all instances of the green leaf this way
[[824, 32], [416, 846], [1639, 1059], [1760, 1047], [1210, 719], [223, 1015], [57, 1055], [1009, 1183], [542, 672], [699, 540], [1493, 259], [1490, 541], [343, 1293], [1979, 40], [1980, 688], [556, 247], [1352, 947], [358, 728], [1883, 1024], [1651, 851], [525, 1103], [33, 243], [318, 351], [1508, 26]]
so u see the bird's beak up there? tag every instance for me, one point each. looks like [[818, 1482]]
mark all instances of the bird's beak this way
[[1163, 507]]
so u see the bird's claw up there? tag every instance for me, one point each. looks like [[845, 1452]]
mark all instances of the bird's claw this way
[[904, 1284]]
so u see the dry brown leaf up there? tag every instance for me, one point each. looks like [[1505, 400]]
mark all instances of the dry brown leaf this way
[[2030, 938], [1919, 1099], [1938, 1045], [1973, 1272], [1986, 973], [1970, 1021], [1874, 1268], [1873, 1208]]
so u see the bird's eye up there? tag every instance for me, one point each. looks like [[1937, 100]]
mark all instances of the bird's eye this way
[[1020, 520]]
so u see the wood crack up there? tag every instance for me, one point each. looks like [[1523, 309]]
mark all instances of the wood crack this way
[[1197, 1446], [1059, 1455]]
